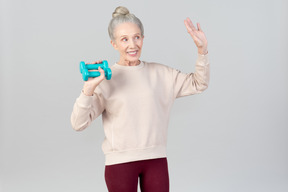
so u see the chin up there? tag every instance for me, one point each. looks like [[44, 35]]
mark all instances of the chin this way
[[134, 59]]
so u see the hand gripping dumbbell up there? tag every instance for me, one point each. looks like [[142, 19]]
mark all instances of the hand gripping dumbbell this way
[[86, 74]]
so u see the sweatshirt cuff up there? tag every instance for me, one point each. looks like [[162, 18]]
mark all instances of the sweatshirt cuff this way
[[84, 100], [202, 60]]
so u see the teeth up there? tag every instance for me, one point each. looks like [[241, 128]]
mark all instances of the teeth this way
[[134, 52]]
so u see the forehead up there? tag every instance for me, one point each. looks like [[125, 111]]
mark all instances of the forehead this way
[[126, 29]]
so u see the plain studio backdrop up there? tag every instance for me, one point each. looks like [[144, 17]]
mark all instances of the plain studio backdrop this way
[[232, 137]]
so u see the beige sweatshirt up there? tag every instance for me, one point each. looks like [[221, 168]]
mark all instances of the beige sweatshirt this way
[[135, 106]]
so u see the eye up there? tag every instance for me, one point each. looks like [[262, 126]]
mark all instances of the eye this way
[[124, 39], [137, 37]]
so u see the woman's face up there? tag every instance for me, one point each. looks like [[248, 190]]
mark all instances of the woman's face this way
[[128, 41]]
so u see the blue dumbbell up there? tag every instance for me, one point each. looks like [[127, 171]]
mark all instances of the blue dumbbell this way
[[86, 74]]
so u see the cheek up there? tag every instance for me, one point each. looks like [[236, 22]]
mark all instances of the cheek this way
[[122, 48], [140, 43]]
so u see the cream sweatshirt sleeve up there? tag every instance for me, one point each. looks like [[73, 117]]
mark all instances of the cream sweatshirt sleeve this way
[[192, 83], [85, 110]]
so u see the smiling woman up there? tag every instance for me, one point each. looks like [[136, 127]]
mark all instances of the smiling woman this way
[[128, 41], [135, 106]]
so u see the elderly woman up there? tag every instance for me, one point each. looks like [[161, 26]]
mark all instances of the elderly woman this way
[[135, 106]]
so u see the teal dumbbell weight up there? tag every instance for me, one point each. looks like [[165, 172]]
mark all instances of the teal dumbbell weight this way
[[86, 74]]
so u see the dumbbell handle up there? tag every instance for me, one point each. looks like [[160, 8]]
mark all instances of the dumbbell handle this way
[[94, 73], [103, 65], [86, 74], [96, 66]]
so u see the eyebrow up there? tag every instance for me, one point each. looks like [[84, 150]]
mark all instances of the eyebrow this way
[[127, 35]]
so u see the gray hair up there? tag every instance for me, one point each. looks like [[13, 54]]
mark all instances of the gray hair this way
[[122, 15]]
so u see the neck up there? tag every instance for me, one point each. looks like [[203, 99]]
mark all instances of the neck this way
[[129, 63]]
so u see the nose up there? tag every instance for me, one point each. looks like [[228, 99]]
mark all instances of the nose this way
[[132, 44]]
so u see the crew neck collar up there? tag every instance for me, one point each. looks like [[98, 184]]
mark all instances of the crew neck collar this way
[[123, 67]]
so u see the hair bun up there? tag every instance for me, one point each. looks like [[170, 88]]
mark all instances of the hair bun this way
[[120, 11]]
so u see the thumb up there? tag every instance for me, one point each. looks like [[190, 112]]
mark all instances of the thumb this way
[[101, 71]]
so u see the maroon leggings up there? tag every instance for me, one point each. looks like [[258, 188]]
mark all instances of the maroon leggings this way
[[153, 175]]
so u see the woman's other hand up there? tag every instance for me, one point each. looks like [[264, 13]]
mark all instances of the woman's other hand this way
[[92, 83], [197, 35]]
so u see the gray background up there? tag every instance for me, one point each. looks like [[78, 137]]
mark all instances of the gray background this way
[[232, 137]]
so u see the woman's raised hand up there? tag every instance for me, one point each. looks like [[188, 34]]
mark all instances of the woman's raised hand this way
[[197, 35], [92, 83]]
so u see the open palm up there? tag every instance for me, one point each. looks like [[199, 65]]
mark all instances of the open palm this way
[[197, 35]]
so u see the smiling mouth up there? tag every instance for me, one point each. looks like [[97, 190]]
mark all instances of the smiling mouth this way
[[132, 53]]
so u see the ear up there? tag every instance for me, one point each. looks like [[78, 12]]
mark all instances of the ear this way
[[114, 45]]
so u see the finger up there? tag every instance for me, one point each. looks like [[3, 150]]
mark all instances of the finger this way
[[101, 71], [97, 69], [199, 27], [187, 26], [191, 24], [188, 22], [97, 62]]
